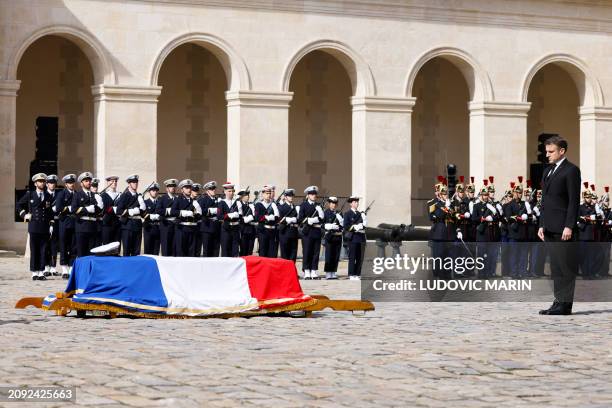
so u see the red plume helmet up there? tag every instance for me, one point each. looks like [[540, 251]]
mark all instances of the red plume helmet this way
[[491, 178], [472, 179], [607, 189], [485, 182], [461, 179], [593, 187], [529, 183], [440, 179], [520, 179], [586, 185], [512, 184]]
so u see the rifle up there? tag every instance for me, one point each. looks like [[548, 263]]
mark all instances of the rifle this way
[[280, 196]]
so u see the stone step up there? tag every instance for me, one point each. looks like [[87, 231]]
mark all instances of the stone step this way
[[7, 254]]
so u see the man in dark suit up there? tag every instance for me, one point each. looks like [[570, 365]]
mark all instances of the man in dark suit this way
[[559, 214]]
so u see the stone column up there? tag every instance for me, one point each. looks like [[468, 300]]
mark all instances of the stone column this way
[[258, 138], [498, 142], [8, 105], [596, 146], [125, 131], [382, 157]]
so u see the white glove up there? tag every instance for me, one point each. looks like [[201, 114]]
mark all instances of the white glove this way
[[448, 202], [364, 218], [186, 213], [609, 222], [197, 207], [320, 211], [500, 209], [313, 220], [134, 211], [358, 227], [212, 210], [233, 215], [141, 202], [528, 207], [340, 219], [524, 217], [154, 217], [90, 209], [291, 220], [99, 200], [491, 208], [459, 235], [471, 206], [50, 229], [489, 218], [329, 227], [537, 211], [269, 217], [167, 210], [466, 215], [248, 218], [54, 208], [593, 217], [27, 217]]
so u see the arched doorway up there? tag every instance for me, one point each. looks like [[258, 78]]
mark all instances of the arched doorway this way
[[440, 129], [320, 125], [192, 116], [54, 119]]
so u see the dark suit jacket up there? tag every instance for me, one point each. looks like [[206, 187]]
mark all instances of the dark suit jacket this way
[[560, 198]]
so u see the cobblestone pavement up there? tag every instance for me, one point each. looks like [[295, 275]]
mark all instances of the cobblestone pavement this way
[[403, 354]]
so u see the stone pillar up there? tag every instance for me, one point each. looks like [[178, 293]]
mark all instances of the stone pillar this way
[[8, 105], [258, 138], [125, 133], [498, 142], [596, 146], [382, 157]]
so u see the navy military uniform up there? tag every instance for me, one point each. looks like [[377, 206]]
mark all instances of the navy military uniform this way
[[267, 214], [85, 205], [195, 195], [537, 256], [332, 223], [130, 208], [67, 244], [53, 245], [287, 228], [35, 208], [229, 211], [248, 226], [310, 219], [588, 234], [111, 228], [443, 231], [210, 227], [354, 223], [486, 216], [166, 221], [99, 212], [187, 211], [150, 225], [516, 214]]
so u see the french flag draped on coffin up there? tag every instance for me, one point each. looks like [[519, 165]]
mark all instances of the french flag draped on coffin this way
[[184, 286]]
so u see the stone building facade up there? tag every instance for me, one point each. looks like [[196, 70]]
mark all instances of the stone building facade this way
[[370, 97]]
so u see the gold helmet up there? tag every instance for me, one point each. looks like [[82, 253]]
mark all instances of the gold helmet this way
[[491, 186]]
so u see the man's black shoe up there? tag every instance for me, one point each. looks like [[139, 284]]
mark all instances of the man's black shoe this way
[[558, 309], [34, 277]]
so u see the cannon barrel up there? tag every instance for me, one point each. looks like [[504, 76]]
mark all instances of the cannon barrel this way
[[397, 232], [386, 235]]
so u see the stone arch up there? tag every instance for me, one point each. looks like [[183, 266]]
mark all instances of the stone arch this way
[[478, 80], [358, 70], [234, 66], [101, 64], [589, 89]]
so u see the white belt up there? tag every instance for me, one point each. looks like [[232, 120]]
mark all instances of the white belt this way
[[89, 218], [234, 223], [336, 233], [316, 225], [135, 217], [171, 219], [188, 223], [270, 226]]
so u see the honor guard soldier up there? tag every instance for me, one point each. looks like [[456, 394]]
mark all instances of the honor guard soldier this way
[[332, 223], [61, 207], [537, 257], [86, 206], [461, 208], [130, 208], [532, 226], [310, 219], [517, 213], [354, 224], [150, 225], [166, 221], [248, 225], [229, 211], [287, 226], [35, 209], [276, 232], [52, 247], [443, 230], [267, 214], [598, 250], [587, 234], [606, 234], [486, 216], [196, 191], [503, 234], [210, 228], [187, 211], [94, 189], [111, 228]]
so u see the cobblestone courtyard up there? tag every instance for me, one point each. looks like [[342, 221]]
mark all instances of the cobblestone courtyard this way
[[402, 354]]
